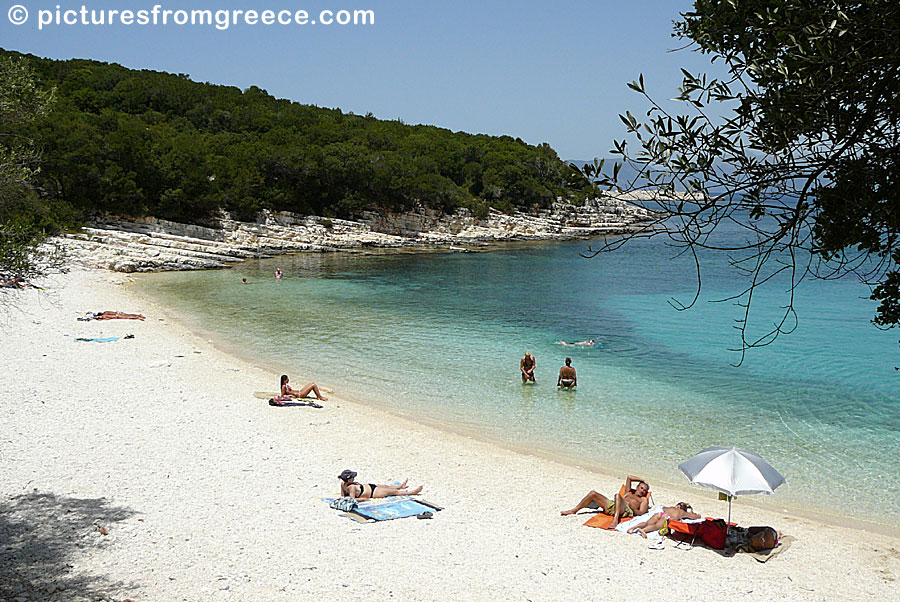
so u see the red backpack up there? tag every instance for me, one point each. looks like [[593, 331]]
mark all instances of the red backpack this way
[[712, 533]]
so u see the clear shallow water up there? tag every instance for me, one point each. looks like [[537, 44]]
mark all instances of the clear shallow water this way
[[440, 336]]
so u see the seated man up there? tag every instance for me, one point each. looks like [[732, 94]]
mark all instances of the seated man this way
[[567, 378], [631, 504]]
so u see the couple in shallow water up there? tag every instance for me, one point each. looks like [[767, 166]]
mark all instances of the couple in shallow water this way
[[567, 378]]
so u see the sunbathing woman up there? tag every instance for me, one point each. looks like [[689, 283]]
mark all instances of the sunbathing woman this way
[[360, 491], [116, 315], [679, 511], [287, 391]]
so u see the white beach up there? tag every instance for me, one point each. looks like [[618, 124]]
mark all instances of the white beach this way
[[207, 493]]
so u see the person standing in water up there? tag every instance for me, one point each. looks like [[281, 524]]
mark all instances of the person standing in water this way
[[526, 365], [567, 378], [278, 274]]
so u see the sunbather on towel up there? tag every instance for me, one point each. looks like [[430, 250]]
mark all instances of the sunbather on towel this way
[[287, 391], [632, 503], [115, 315], [361, 491], [679, 511]]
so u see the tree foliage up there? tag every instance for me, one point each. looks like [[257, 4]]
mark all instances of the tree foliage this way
[[150, 143], [806, 159], [25, 220]]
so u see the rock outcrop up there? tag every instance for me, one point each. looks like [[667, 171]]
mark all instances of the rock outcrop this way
[[150, 244]]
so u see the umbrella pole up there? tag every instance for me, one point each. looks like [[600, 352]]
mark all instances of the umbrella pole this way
[[729, 511]]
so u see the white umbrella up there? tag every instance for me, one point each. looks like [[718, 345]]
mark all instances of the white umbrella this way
[[731, 471]]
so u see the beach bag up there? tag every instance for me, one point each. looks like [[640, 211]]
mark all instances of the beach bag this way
[[344, 503], [713, 532]]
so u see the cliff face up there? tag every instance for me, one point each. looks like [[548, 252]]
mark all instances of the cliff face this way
[[149, 244]]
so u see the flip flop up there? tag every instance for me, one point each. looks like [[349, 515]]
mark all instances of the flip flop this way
[[425, 515]]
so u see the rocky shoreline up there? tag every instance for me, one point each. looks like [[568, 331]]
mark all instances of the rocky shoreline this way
[[125, 244]]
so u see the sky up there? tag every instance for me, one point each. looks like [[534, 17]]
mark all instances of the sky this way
[[552, 72]]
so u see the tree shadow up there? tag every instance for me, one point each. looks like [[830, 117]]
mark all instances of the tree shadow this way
[[43, 537]]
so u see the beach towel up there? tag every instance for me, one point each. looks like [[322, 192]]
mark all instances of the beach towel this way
[[287, 402], [603, 521], [652, 535], [389, 508], [104, 340]]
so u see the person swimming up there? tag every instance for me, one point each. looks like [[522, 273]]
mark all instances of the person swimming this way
[[587, 343]]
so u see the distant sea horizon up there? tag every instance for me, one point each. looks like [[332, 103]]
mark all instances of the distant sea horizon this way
[[438, 337]]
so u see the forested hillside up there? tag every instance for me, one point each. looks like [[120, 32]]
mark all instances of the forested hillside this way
[[150, 143]]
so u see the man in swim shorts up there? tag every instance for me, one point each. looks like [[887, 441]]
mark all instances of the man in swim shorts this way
[[526, 365], [567, 378], [634, 502]]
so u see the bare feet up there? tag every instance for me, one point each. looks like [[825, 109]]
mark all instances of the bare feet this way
[[643, 533], [322, 398], [403, 484], [416, 491], [568, 512]]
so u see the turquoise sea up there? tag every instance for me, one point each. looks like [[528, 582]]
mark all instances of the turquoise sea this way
[[438, 336]]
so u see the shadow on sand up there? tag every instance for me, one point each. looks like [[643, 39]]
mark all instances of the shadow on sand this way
[[43, 538]]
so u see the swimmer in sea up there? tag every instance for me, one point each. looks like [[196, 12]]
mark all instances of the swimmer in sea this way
[[587, 343]]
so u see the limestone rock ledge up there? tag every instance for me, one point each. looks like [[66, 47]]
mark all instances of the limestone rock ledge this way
[[149, 244]]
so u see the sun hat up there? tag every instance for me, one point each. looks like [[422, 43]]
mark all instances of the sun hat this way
[[347, 475]]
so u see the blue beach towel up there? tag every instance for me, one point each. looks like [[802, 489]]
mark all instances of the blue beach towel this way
[[388, 508]]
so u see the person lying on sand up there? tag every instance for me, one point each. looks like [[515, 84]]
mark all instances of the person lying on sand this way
[[567, 378], [287, 391], [16, 282], [360, 491], [633, 503], [679, 511], [526, 366], [114, 315]]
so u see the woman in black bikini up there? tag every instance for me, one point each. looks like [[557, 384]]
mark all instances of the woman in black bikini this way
[[361, 491]]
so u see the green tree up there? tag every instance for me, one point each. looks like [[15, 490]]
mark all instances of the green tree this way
[[25, 220], [806, 158]]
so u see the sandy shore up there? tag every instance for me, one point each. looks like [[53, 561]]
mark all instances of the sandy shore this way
[[145, 469]]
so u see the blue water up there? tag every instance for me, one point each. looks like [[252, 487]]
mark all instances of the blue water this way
[[439, 336]]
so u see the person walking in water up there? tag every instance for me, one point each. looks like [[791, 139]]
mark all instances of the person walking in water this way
[[567, 378], [526, 365], [278, 274]]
